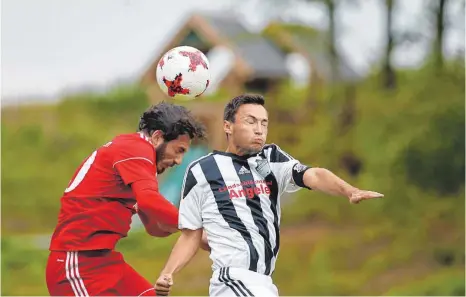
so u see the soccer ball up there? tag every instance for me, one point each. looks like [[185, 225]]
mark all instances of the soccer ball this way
[[183, 73]]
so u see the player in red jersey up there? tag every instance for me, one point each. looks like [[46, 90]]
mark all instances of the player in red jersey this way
[[115, 182]]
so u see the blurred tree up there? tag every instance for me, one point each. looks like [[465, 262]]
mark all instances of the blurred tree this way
[[443, 22], [425, 159], [435, 160], [438, 17], [439, 11], [388, 75], [331, 7], [292, 10]]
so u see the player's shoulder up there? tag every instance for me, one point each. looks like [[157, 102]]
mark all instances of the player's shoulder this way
[[275, 154], [130, 137], [200, 161], [132, 140], [191, 177], [132, 144]]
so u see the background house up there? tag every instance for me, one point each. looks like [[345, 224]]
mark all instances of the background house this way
[[242, 60], [239, 59]]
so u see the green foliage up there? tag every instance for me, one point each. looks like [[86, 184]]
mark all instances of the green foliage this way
[[289, 37], [23, 269], [424, 158], [410, 143], [443, 283]]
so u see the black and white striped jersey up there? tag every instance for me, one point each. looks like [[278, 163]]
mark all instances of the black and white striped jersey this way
[[236, 199]]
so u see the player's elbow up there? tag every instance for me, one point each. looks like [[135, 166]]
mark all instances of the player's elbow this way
[[154, 228], [314, 176], [157, 233], [156, 208]]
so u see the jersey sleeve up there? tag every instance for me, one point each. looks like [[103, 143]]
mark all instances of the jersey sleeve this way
[[288, 171], [190, 214], [134, 161]]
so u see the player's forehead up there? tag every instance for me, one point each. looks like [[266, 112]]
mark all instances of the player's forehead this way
[[183, 141], [252, 110]]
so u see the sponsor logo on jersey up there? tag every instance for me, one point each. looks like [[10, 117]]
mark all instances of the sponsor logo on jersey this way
[[263, 167], [299, 168], [247, 189]]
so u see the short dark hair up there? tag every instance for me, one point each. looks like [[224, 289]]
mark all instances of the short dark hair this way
[[173, 120], [232, 107]]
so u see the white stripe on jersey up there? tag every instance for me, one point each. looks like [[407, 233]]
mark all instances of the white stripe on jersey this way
[[133, 158]]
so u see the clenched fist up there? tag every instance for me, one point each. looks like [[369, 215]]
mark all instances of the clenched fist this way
[[163, 285]]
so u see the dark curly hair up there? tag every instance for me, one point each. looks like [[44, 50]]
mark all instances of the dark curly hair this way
[[173, 120], [232, 107]]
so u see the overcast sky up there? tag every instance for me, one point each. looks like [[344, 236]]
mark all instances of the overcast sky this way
[[49, 45]]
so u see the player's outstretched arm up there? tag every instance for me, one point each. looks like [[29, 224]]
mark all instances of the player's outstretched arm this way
[[183, 251], [324, 180]]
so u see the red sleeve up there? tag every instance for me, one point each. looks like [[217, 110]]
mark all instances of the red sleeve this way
[[134, 161], [153, 205]]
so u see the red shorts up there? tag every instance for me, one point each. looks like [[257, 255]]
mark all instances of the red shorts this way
[[94, 273]]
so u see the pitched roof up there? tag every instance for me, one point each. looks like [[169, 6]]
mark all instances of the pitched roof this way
[[262, 55]]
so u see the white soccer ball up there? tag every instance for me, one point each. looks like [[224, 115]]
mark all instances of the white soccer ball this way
[[183, 73]]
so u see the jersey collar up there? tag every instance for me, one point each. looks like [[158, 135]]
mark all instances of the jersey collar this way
[[234, 156], [143, 136]]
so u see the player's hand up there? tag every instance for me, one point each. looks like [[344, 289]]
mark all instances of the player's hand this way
[[360, 195], [163, 285]]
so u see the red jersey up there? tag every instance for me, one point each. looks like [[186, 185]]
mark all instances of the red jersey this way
[[98, 204]]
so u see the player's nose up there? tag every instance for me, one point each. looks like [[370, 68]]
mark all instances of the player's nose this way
[[178, 160], [258, 130]]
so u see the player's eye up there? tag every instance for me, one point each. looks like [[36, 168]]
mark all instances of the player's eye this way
[[250, 121]]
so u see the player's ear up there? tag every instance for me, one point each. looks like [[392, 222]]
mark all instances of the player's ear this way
[[227, 127], [157, 138]]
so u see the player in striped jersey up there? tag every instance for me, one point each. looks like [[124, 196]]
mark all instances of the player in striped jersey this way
[[234, 196]]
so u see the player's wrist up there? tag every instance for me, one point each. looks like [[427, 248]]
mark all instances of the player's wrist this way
[[167, 273], [349, 191]]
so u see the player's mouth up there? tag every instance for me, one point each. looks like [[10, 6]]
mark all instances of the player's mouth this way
[[167, 166]]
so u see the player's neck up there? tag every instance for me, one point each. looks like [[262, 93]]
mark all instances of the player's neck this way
[[146, 136], [233, 149]]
